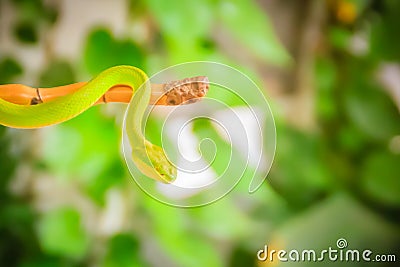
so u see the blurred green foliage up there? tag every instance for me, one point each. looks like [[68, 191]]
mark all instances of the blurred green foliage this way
[[62, 224], [32, 15], [102, 51], [339, 181], [9, 68]]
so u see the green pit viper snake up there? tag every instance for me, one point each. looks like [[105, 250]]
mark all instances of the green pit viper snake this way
[[148, 158]]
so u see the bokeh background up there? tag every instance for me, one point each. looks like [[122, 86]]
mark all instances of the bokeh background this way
[[330, 70]]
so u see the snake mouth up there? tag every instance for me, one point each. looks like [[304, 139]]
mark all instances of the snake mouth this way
[[185, 91]]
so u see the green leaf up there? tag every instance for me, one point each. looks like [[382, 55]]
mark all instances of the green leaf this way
[[185, 20], [339, 37], [102, 51], [9, 69], [123, 251], [228, 97], [300, 172], [60, 232], [384, 37], [352, 139], [89, 155], [381, 178], [252, 28], [185, 27], [110, 175], [169, 226], [35, 11], [25, 32], [58, 72], [372, 111]]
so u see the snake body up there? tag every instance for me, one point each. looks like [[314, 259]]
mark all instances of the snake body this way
[[149, 158]]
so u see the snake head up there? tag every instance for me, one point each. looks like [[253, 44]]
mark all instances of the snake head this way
[[163, 167], [154, 163]]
